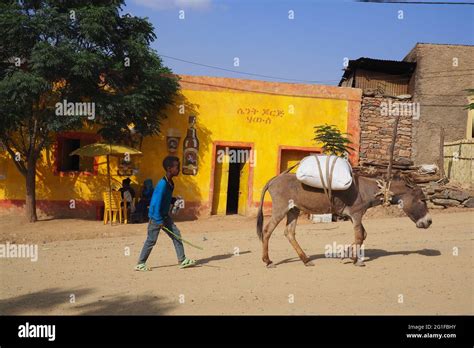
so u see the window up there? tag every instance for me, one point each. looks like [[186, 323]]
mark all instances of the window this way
[[290, 155], [67, 143]]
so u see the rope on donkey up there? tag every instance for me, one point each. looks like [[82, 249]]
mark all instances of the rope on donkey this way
[[327, 187], [384, 192]]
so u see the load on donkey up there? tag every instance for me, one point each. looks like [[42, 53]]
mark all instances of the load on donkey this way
[[291, 196]]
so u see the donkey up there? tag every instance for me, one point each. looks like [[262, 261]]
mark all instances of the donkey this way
[[290, 197]]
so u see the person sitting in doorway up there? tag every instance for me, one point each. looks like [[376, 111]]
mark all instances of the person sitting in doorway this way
[[147, 190], [128, 194], [141, 212]]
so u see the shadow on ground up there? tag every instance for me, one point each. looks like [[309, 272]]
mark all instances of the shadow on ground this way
[[220, 257], [371, 254], [48, 301], [202, 262]]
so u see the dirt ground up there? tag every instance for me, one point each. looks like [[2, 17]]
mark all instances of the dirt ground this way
[[84, 268]]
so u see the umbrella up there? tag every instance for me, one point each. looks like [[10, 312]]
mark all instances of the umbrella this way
[[101, 149]]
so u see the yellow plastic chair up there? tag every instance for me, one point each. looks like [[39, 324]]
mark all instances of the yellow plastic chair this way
[[112, 206]]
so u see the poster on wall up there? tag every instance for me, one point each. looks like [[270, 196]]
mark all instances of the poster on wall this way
[[190, 149], [127, 168], [172, 140]]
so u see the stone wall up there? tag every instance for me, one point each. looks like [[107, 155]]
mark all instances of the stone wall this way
[[376, 130], [445, 196]]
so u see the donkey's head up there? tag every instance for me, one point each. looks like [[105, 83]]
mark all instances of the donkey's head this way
[[412, 200]]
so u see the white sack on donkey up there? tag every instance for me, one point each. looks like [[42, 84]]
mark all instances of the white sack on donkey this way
[[308, 172]]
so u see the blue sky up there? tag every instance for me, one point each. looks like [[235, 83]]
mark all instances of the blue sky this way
[[311, 47]]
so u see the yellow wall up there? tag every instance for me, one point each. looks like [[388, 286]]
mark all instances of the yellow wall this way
[[219, 118]]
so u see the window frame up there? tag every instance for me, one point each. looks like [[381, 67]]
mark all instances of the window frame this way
[[56, 153]]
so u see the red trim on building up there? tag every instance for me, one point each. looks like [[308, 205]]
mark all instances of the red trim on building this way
[[353, 128], [60, 208]]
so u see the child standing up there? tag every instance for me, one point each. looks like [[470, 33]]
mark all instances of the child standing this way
[[159, 217]]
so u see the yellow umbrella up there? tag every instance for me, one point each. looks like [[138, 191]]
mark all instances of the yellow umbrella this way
[[101, 149]]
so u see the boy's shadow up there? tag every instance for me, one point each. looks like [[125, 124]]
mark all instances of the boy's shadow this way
[[202, 262]]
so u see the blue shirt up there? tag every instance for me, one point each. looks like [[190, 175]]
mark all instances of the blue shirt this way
[[161, 200]]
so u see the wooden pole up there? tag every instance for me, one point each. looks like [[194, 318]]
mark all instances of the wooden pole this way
[[392, 147], [441, 153]]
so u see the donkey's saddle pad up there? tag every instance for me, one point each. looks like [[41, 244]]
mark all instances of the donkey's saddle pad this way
[[308, 172]]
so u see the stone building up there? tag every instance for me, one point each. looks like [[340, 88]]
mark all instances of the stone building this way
[[439, 84], [428, 88], [385, 92]]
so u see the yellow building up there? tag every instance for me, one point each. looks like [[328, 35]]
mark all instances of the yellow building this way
[[248, 131]]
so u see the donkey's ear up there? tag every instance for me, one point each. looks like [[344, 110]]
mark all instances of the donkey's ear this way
[[409, 181]]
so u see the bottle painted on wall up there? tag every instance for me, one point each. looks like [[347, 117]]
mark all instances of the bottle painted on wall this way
[[190, 149]]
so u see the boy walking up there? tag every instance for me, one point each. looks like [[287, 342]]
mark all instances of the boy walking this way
[[159, 217]]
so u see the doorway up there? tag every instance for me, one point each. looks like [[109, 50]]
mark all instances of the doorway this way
[[233, 186], [231, 180]]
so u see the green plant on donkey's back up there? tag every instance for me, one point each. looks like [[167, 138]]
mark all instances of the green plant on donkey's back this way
[[334, 142]]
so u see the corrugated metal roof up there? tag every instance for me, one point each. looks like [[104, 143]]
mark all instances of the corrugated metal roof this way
[[393, 67]]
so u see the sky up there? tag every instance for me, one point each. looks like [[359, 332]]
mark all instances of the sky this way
[[310, 48]]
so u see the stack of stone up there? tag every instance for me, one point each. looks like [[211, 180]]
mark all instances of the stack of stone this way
[[441, 196]]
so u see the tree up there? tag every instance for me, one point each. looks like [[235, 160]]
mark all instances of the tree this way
[[54, 52], [334, 142]]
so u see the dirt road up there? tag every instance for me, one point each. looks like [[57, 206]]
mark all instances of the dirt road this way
[[409, 270]]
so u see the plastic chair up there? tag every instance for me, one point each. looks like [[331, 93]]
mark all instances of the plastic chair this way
[[112, 206]]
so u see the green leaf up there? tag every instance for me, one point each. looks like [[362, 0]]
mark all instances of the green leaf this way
[[333, 141]]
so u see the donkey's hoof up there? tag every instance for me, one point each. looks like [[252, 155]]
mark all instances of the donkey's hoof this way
[[271, 265], [359, 263], [309, 263]]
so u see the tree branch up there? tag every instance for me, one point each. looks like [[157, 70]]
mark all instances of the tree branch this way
[[15, 145], [20, 166]]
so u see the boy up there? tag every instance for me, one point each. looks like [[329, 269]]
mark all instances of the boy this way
[[159, 217]]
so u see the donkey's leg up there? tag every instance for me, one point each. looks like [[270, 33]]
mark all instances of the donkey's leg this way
[[290, 232], [360, 234], [363, 229], [267, 232]]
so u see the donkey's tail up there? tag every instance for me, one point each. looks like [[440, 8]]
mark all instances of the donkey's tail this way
[[260, 211], [262, 197]]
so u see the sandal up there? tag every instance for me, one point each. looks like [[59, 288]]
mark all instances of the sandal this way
[[187, 263], [142, 267]]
